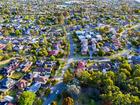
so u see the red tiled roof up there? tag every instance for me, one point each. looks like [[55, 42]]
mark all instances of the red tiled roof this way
[[2, 46], [53, 52], [81, 65]]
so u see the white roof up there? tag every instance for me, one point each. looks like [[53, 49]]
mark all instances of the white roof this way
[[80, 32], [99, 36], [81, 37], [92, 33], [88, 36], [8, 98]]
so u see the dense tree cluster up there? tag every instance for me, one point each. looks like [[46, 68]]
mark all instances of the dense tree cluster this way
[[121, 88], [111, 88], [27, 98]]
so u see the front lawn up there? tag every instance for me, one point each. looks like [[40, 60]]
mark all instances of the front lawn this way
[[16, 75], [1, 77]]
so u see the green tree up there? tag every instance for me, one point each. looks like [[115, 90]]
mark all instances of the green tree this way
[[9, 47], [136, 71], [48, 91], [54, 103], [5, 33], [1, 57], [52, 58], [85, 75], [18, 32], [27, 98], [126, 66], [38, 101], [61, 19], [68, 76], [68, 101], [1, 51], [101, 53]]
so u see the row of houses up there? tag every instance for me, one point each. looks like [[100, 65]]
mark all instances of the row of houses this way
[[90, 36], [31, 81], [105, 66], [41, 73]]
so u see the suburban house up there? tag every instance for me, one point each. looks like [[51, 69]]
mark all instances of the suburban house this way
[[53, 52], [136, 59], [41, 79], [28, 77], [84, 46], [27, 66], [117, 43], [81, 65], [6, 83], [2, 46], [8, 71], [22, 84]]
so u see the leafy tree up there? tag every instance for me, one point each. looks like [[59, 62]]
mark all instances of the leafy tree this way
[[1, 57], [68, 76], [38, 101], [6, 11], [27, 98], [85, 75], [68, 101], [126, 66], [54, 103], [74, 91], [5, 33], [108, 82], [92, 102], [6, 56], [1, 51], [120, 30], [137, 81], [111, 75], [61, 19], [26, 17], [101, 53], [136, 71], [9, 47], [48, 91], [66, 14], [52, 58], [125, 71], [18, 32]]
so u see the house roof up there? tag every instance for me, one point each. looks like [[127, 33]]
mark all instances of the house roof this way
[[136, 59], [2, 46], [22, 84], [35, 87], [6, 82], [53, 52], [81, 65], [41, 79]]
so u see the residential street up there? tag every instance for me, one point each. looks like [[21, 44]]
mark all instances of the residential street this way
[[57, 89]]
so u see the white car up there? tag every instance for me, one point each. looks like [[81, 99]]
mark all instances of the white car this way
[[57, 92]]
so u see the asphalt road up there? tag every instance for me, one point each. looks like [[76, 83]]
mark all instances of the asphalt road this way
[[57, 89]]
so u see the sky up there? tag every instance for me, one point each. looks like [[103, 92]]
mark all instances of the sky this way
[[137, 0]]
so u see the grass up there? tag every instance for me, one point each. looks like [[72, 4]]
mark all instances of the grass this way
[[5, 61], [13, 92], [3, 65], [90, 63], [16, 75], [59, 72], [1, 77]]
